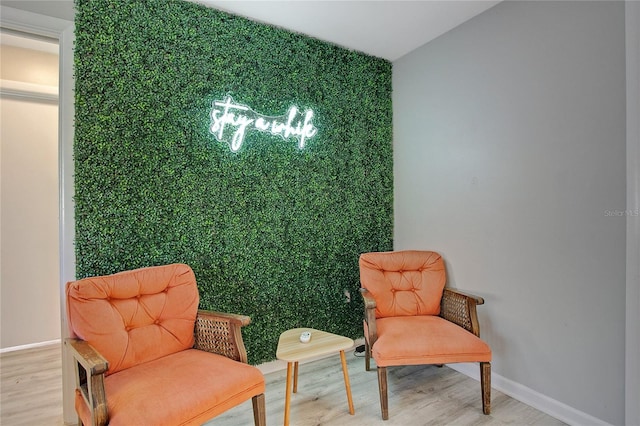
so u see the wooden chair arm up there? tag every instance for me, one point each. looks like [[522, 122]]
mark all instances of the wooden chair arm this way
[[220, 333], [90, 368], [479, 300], [370, 316], [460, 308]]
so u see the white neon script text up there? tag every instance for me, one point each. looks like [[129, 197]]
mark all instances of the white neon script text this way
[[241, 118]]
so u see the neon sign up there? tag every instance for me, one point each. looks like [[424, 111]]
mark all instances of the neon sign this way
[[226, 114]]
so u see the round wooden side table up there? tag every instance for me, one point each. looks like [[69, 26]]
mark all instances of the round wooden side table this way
[[292, 350]]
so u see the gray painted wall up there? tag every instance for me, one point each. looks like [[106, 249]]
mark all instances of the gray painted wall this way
[[509, 150]]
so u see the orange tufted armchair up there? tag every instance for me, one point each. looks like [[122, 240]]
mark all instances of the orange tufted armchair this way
[[145, 354], [411, 318]]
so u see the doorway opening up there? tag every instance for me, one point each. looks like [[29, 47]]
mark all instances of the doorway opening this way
[[29, 195]]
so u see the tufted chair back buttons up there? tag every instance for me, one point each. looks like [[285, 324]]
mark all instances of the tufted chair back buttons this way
[[127, 311], [415, 281]]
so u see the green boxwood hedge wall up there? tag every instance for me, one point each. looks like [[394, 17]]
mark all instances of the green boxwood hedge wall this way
[[272, 231]]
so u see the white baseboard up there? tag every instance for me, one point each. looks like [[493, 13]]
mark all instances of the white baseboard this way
[[541, 402], [30, 346]]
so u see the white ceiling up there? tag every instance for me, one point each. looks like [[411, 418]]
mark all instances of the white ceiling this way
[[388, 29], [384, 28]]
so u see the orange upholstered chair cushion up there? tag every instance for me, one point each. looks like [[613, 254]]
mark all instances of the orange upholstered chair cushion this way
[[184, 388], [404, 283], [425, 340], [135, 316]]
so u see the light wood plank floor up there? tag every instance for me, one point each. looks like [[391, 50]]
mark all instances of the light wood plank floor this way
[[31, 387], [418, 395]]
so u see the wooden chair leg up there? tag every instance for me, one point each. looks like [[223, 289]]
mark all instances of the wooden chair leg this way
[[259, 411], [382, 385], [485, 383], [367, 356]]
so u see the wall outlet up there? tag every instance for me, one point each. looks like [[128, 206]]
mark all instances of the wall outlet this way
[[347, 296]]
